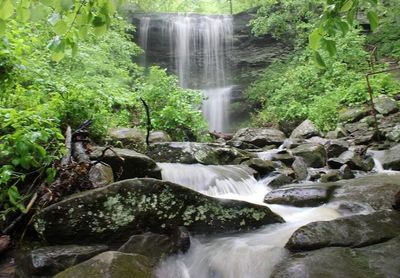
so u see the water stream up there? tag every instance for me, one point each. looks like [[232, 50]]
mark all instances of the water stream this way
[[252, 254], [199, 47]]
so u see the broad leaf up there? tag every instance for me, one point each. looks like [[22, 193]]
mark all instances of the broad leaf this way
[[315, 38], [6, 9], [330, 46], [373, 20], [318, 59], [346, 6]]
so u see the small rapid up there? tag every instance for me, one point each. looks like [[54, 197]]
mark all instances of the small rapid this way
[[252, 254]]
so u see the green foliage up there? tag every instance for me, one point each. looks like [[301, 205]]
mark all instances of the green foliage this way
[[173, 109], [28, 145], [300, 89]]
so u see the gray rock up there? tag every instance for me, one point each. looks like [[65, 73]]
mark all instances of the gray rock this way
[[394, 134], [352, 159], [128, 164], [300, 168], [127, 138], [279, 180], [335, 148], [285, 157], [330, 176], [263, 167], [351, 115], [385, 105], [112, 264], [380, 260], [260, 137], [305, 130], [48, 261], [313, 154], [158, 136], [391, 158], [135, 206], [346, 172], [191, 153], [336, 163], [301, 196], [155, 246], [101, 174], [353, 231]]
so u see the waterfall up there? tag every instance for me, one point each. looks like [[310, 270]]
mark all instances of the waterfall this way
[[199, 47]]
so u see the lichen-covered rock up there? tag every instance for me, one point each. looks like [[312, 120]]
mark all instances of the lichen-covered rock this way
[[127, 164], [394, 134], [156, 246], [385, 105], [111, 264], [158, 136], [300, 196], [314, 155], [191, 153], [305, 130], [352, 231], [127, 138], [260, 137], [48, 261], [136, 206], [379, 260]]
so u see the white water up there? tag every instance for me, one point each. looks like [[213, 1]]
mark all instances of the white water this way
[[244, 255], [199, 46]]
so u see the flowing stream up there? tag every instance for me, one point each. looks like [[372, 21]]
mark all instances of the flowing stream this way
[[252, 254], [199, 47]]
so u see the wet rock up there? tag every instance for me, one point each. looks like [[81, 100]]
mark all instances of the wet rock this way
[[385, 105], [300, 168], [48, 261], [127, 138], [135, 206], [351, 115], [279, 180], [313, 154], [336, 163], [396, 202], [366, 137], [191, 153], [357, 127], [156, 246], [101, 174], [346, 172], [301, 196], [352, 231], [315, 174], [260, 137], [354, 160], [112, 264], [305, 130], [263, 167], [285, 157], [242, 145], [335, 148], [376, 191], [330, 176], [394, 134], [379, 260], [128, 164], [158, 136], [391, 158], [339, 132]]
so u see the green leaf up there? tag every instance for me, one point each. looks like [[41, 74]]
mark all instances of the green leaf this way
[[38, 12], [6, 9], [101, 30], [13, 195], [318, 59], [3, 27], [98, 21], [343, 26], [60, 27], [351, 15], [66, 5], [373, 20], [330, 46], [346, 6], [23, 14], [373, 2], [315, 39]]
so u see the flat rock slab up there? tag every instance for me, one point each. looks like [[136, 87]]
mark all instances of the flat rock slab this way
[[353, 231], [135, 206], [260, 137], [301, 196], [192, 153], [47, 261], [375, 261], [111, 264]]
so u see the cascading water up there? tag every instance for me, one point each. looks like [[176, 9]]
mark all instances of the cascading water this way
[[252, 254], [199, 47]]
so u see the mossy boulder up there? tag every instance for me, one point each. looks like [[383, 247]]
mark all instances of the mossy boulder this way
[[314, 155], [260, 137], [191, 153], [305, 130], [121, 209], [127, 138], [352, 231], [112, 264], [386, 105]]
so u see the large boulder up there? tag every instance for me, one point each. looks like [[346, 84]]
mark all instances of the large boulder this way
[[350, 115], [305, 130], [385, 105], [127, 138], [260, 137], [314, 155], [300, 196], [101, 174], [380, 260], [391, 158], [263, 167], [394, 134], [135, 206], [300, 168], [191, 153], [334, 148], [352, 231], [158, 136], [112, 264], [127, 164], [48, 261]]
